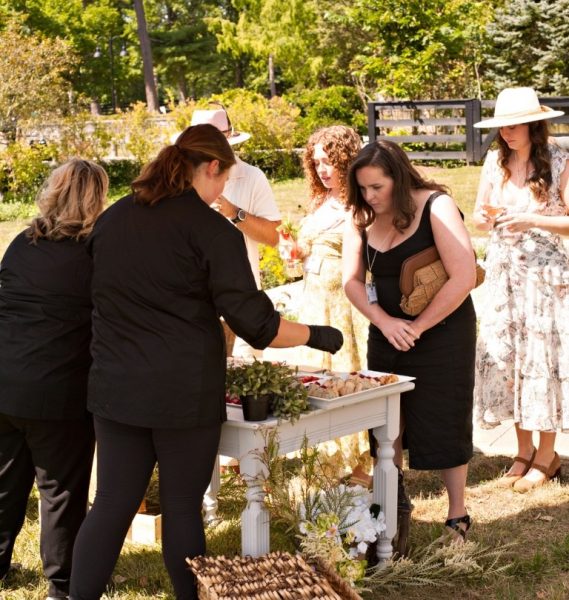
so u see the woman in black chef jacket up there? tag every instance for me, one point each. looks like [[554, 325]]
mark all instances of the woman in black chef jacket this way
[[166, 267], [45, 330]]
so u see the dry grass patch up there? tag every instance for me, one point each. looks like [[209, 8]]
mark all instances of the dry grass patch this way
[[534, 524], [8, 231], [532, 527]]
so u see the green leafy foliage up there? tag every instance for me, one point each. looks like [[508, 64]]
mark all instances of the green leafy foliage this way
[[121, 174], [23, 169], [334, 105], [529, 46], [417, 50], [289, 398], [143, 138], [85, 135], [272, 267], [15, 211], [272, 124], [32, 77]]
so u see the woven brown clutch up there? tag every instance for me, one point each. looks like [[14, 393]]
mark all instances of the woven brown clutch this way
[[422, 276], [274, 576]]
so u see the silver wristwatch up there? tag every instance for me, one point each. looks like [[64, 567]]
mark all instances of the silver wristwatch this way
[[239, 217]]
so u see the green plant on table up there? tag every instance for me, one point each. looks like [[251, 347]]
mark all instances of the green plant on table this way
[[289, 398]]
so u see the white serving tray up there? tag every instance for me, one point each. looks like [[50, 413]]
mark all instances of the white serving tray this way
[[317, 402]]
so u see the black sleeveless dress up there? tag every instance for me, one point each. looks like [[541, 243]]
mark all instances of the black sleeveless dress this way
[[438, 412]]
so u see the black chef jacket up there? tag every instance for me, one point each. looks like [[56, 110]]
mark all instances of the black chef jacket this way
[[162, 276], [45, 329]]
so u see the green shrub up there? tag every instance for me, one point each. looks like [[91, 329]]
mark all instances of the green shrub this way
[[17, 211], [84, 135], [271, 123], [121, 172], [334, 105], [143, 137], [24, 168], [181, 115]]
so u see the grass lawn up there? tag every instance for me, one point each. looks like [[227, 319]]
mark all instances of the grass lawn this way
[[535, 524], [8, 231], [291, 198], [463, 182]]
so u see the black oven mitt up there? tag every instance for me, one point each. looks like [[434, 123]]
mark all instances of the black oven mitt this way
[[323, 337]]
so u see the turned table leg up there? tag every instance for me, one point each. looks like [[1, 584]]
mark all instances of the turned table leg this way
[[210, 496], [385, 478], [255, 517]]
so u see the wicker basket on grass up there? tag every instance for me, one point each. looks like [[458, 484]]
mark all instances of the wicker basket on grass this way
[[229, 338], [275, 576]]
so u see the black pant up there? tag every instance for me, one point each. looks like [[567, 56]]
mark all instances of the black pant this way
[[59, 455], [126, 456]]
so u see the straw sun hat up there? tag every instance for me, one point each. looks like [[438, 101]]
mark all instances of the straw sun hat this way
[[218, 118], [518, 105]]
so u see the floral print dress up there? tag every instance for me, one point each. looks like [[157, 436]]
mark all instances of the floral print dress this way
[[522, 363], [324, 301]]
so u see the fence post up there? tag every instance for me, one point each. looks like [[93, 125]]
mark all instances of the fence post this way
[[473, 112], [371, 129]]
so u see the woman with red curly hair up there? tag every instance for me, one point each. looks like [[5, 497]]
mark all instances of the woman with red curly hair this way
[[328, 155]]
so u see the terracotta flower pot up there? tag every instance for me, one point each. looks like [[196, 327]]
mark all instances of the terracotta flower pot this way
[[255, 408]]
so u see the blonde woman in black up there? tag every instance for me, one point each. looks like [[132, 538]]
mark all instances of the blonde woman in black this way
[[46, 433]]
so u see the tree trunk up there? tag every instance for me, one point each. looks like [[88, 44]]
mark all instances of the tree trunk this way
[[95, 107], [182, 90], [239, 79], [272, 85], [146, 51]]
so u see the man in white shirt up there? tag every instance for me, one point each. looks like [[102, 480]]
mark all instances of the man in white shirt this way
[[247, 201]]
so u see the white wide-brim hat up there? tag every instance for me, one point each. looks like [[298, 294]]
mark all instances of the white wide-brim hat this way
[[518, 105], [217, 118]]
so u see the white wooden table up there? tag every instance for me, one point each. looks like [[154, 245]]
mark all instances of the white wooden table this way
[[376, 409]]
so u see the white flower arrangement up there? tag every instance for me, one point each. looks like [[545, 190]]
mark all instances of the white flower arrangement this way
[[338, 526]]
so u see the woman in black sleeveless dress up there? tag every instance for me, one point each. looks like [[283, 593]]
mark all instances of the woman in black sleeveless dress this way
[[396, 213]]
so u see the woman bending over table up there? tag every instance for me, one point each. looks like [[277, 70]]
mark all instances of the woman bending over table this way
[[166, 267], [396, 213]]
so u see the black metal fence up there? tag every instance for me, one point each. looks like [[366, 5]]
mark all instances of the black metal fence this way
[[443, 129]]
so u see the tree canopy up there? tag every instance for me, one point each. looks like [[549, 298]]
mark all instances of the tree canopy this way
[[33, 81], [396, 49], [530, 45]]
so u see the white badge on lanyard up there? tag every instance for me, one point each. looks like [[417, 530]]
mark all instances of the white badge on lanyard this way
[[370, 289], [313, 264]]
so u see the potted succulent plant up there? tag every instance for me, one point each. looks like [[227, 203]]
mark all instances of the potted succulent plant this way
[[264, 386]]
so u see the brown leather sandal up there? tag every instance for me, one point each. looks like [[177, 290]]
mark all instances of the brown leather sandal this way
[[553, 471], [508, 480]]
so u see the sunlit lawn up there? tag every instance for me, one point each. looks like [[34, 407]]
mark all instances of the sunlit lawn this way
[[535, 523], [463, 182], [292, 197]]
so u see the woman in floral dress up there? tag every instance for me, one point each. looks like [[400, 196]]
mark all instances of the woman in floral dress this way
[[328, 154], [523, 345]]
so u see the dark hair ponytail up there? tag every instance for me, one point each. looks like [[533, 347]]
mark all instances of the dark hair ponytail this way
[[172, 171]]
